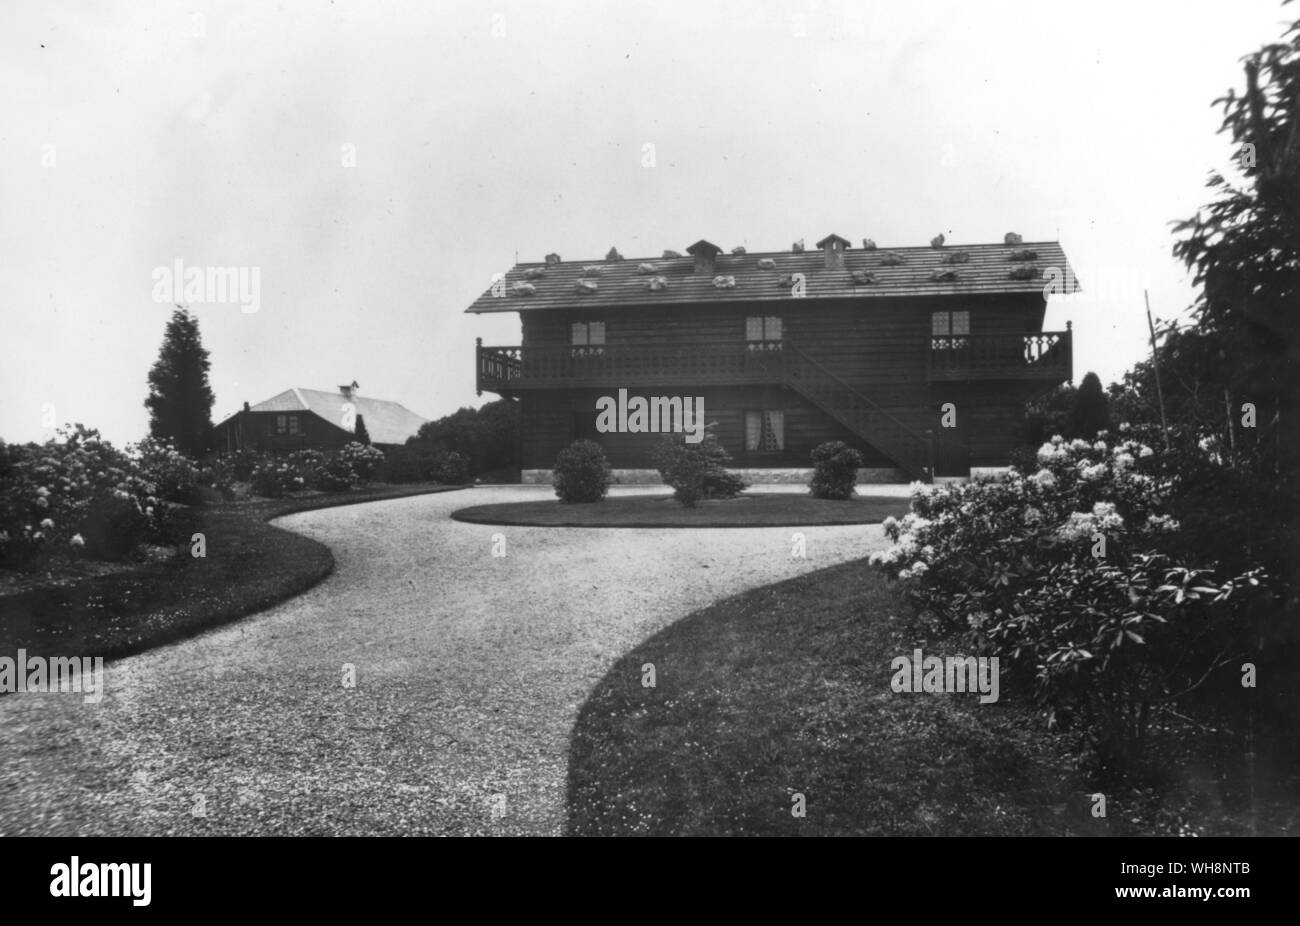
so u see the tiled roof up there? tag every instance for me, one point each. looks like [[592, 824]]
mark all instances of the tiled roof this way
[[386, 422], [987, 269]]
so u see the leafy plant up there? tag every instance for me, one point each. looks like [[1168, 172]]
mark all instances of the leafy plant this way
[[835, 470], [582, 473], [696, 471]]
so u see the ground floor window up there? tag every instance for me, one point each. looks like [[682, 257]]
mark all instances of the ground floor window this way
[[765, 430]]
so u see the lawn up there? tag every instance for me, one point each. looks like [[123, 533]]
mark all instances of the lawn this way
[[250, 565], [785, 691], [758, 510]]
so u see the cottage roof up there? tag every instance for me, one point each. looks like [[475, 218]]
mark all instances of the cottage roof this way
[[386, 422], [924, 271]]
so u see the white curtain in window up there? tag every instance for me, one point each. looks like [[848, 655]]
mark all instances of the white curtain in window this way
[[579, 333], [961, 322], [774, 439], [753, 430], [938, 324], [754, 328], [772, 325], [596, 333]]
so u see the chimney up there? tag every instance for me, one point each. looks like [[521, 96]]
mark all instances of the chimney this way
[[833, 247], [349, 390], [705, 253], [246, 408]]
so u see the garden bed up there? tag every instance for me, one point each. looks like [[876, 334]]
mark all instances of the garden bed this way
[[759, 510], [250, 565]]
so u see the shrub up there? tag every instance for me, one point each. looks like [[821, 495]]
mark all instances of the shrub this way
[[334, 474], [220, 474], [75, 494], [272, 477], [487, 437], [696, 471], [449, 468], [835, 470], [404, 464], [243, 462], [581, 473], [174, 476], [1072, 575], [364, 460]]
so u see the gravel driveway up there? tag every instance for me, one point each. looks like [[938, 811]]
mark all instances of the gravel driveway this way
[[469, 672]]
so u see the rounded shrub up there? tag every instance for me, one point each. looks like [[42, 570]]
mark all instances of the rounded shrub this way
[[582, 473], [696, 470], [835, 470]]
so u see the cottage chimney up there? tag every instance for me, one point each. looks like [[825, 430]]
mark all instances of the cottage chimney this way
[[833, 248], [246, 407], [349, 390], [705, 254]]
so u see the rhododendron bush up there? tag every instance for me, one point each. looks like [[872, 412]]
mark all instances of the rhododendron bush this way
[[77, 494], [1067, 573]]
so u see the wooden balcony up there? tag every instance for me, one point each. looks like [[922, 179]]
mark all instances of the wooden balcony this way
[[1045, 355], [507, 369]]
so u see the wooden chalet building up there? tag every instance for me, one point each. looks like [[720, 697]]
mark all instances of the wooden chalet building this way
[[302, 419], [788, 350]]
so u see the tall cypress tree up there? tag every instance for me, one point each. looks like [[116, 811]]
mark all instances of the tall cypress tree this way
[[180, 399]]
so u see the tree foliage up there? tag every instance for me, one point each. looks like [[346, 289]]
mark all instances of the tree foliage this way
[[487, 437], [180, 398]]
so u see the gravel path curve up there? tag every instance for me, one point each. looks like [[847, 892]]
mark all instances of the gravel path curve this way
[[469, 672]]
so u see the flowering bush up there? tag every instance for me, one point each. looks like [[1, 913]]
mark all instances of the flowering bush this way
[[835, 470], [272, 477], [175, 477], [363, 460], [1067, 573], [75, 493], [334, 474]]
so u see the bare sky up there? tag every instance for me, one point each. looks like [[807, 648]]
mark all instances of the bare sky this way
[[135, 134]]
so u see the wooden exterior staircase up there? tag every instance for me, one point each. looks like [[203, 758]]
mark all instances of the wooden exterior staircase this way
[[911, 450]]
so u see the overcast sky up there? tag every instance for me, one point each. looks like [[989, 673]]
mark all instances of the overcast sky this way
[[133, 135]]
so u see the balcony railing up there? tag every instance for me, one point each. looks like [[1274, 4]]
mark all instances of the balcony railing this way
[[1045, 355], [563, 366], [1041, 356]]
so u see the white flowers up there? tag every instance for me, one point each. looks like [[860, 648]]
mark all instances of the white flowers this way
[[1162, 524], [43, 492], [47, 525], [1081, 525], [1044, 479], [77, 541], [1032, 515], [1091, 473], [1051, 453]]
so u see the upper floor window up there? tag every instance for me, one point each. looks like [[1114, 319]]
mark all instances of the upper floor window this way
[[763, 332], [945, 324], [587, 338], [286, 424]]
